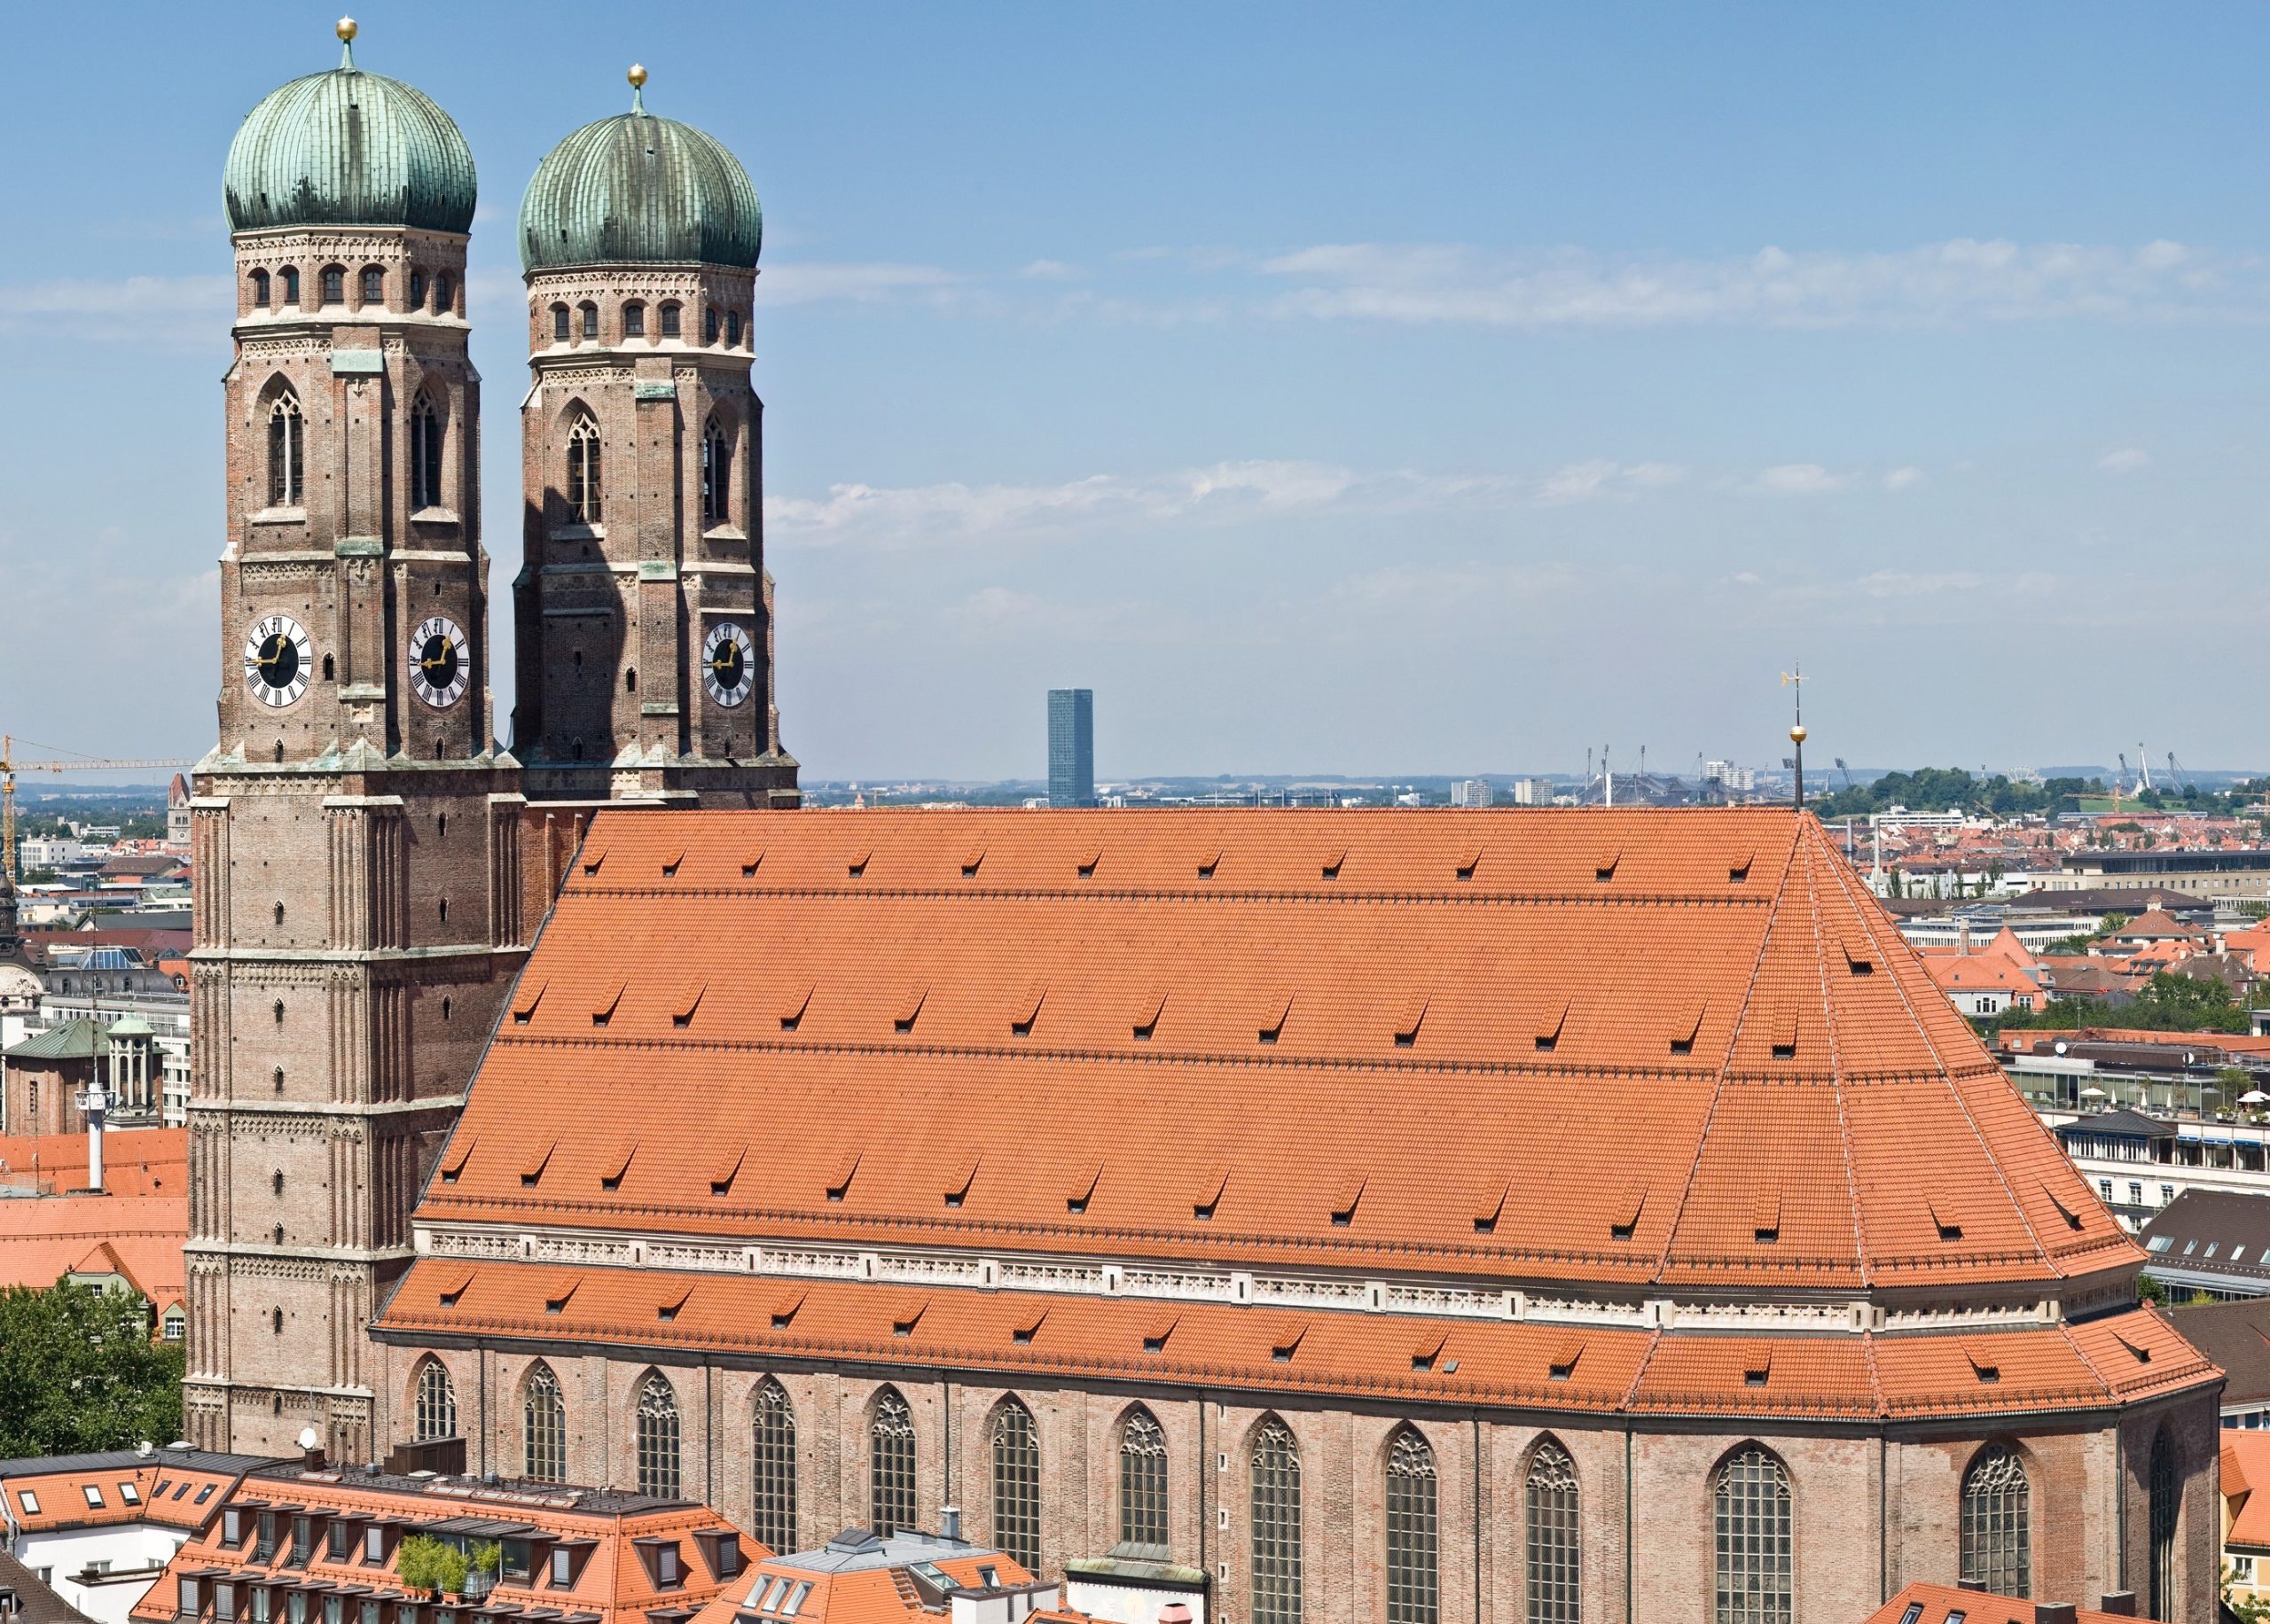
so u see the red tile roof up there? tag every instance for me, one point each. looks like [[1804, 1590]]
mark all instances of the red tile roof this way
[[2246, 1470], [1941, 1604], [1245, 982]]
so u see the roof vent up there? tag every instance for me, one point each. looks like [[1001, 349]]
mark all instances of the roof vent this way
[[1406, 1025], [689, 999], [524, 1002], [1088, 861], [1604, 870], [562, 1292], [1785, 1038], [1026, 1328], [1345, 1200], [857, 868], [1208, 863], [1287, 1342], [450, 1293], [839, 1180], [751, 861], [671, 864], [1211, 1185], [909, 1007], [1486, 1211], [1624, 1220], [1147, 1016], [1272, 1019], [1332, 862], [971, 861], [1562, 1365], [1154, 1339], [1468, 860], [603, 1011], [1757, 1365], [1083, 1189], [534, 1171], [959, 1181], [1860, 960], [784, 1312], [727, 1169], [1027, 1010], [1945, 1215], [667, 1310], [1549, 1029], [1429, 1348], [620, 1164], [907, 1317], [791, 1010], [2072, 1218], [1986, 1365], [1689, 1028], [453, 1161], [1765, 1216], [593, 855], [1738, 870]]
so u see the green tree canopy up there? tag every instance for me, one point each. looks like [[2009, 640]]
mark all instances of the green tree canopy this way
[[2167, 1003], [79, 1372]]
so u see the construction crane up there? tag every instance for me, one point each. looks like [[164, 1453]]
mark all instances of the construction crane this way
[[9, 767], [2178, 777], [1844, 769]]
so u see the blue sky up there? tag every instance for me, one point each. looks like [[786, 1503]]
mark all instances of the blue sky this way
[[1394, 390]]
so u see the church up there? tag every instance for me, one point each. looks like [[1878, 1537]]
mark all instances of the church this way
[[1522, 1216]]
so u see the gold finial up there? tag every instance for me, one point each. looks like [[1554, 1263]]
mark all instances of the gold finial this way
[[346, 30], [638, 76], [1797, 734]]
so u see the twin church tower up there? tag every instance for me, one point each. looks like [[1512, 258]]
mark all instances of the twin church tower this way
[[370, 863]]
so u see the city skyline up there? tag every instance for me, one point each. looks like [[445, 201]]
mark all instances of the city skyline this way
[[1380, 422]]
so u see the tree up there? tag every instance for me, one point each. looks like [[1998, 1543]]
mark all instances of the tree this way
[[2149, 1289], [79, 1372], [432, 1566], [2167, 1003]]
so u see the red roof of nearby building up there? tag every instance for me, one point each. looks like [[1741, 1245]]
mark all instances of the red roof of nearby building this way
[[862, 1579], [90, 1491], [137, 1236], [1945, 1604], [2246, 1468], [136, 1162]]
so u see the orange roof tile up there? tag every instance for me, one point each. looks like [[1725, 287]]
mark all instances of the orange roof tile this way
[[1822, 1061], [1939, 1603]]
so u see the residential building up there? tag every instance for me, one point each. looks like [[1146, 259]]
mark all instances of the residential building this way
[[1470, 793], [2239, 873], [1532, 792], [118, 1243], [1691, 1251], [2210, 1243], [874, 1578], [1071, 747], [24, 1599], [2235, 1334], [2246, 1516], [1947, 1603], [293, 1541], [100, 1528]]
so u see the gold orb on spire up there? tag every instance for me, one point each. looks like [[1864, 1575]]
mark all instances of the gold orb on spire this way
[[1797, 734], [638, 77], [347, 29]]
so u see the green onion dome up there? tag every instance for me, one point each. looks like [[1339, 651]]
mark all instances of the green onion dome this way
[[639, 189], [350, 148]]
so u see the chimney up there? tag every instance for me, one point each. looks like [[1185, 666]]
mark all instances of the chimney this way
[[950, 1520], [311, 1456], [2055, 1613], [1962, 937], [2120, 1603], [1175, 1612]]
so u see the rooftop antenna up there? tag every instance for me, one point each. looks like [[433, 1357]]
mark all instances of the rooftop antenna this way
[[1797, 680]]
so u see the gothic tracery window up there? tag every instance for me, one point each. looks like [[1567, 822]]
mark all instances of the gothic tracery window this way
[[1997, 1522], [583, 484], [657, 1438], [1549, 1518], [543, 1428], [437, 1402], [1413, 1579], [1016, 1483], [288, 433], [425, 454], [1276, 1524], [1750, 1531], [716, 476], [2163, 1527], [774, 1474], [1143, 1485], [890, 1472]]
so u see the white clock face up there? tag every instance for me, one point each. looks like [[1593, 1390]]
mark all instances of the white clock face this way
[[440, 664], [277, 659], [727, 664]]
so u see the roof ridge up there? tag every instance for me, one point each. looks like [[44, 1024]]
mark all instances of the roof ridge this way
[[1836, 1072], [1718, 1081], [1963, 1104], [1639, 1370], [1875, 1374]]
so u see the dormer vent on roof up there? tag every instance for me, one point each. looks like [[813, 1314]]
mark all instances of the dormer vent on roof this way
[[2072, 1217], [910, 1007], [1549, 1025], [1428, 1348], [603, 1007], [667, 1309], [792, 1007], [1028, 1325], [971, 861], [1333, 859], [1783, 1028], [838, 1180], [1604, 869], [1208, 863], [1027, 1010], [726, 1169], [1147, 1015], [528, 994], [1155, 1334], [857, 868], [1208, 1194], [1492, 1203], [1272, 1015], [560, 1292], [1083, 1188], [1285, 1341], [1685, 1029], [752, 860], [617, 1163], [1468, 860], [1947, 1216], [1738, 869], [1859, 958], [961, 1175], [594, 853], [1089, 859], [907, 1315], [1407, 1024], [1624, 1218], [672, 862], [1561, 1364], [532, 1171], [784, 1310], [453, 1287], [1765, 1216], [454, 1158], [1984, 1363], [1756, 1365], [1346, 1199], [688, 999]]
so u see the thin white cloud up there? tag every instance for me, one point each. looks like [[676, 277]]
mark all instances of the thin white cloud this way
[[1050, 270], [173, 312], [1900, 583], [1900, 479], [1799, 479], [814, 281], [1588, 481], [1937, 284], [2128, 459]]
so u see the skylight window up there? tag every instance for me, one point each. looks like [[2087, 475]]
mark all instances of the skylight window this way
[[796, 1599], [2237, 1252], [132, 1495], [2159, 1242], [29, 1501], [94, 1495]]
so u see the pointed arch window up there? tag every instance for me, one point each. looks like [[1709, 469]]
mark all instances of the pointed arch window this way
[[287, 452], [890, 1469], [2163, 1515], [775, 1468], [1754, 1561], [543, 1428], [590, 318], [374, 286], [425, 454], [1997, 1522], [1413, 1575], [584, 483], [288, 278], [1276, 1524], [1016, 1483], [716, 475], [657, 1438], [437, 1402], [560, 329], [1142, 1486], [1549, 1515]]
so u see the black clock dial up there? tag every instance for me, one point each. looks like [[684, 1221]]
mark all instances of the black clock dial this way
[[437, 660], [279, 660], [727, 666]]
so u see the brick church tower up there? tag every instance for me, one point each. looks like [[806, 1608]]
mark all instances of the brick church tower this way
[[643, 613], [359, 906]]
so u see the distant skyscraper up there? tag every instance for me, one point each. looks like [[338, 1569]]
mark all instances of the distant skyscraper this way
[[1470, 793], [1071, 747]]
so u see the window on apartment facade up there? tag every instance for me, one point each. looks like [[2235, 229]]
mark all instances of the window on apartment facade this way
[[437, 1402], [1413, 1579], [1143, 1484], [1997, 1522], [1549, 1518], [1276, 1524], [890, 1466], [1016, 1483], [1754, 1561], [543, 1428], [658, 1439], [774, 1462]]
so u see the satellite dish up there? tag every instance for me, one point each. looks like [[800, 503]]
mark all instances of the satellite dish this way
[[310, 1438], [2061, 1045]]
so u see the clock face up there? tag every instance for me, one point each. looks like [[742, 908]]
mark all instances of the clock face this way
[[277, 659], [439, 664], [726, 670]]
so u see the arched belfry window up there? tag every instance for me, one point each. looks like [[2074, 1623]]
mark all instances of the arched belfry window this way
[[445, 294], [634, 320], [657, 1438], [287, 452], [1413, 1576], [1142, 1486], [260, 289], [1276, 1524], [289, 278], [669, 313], [335, 285], [710, 325], [890, 1465], [584, 483], [425, 454], [1998, 1522], [543, 1428], [1016, 1483], [374, 286], [560, 330], [437, 1402], [2164, 1503], [591, 314], [716, 475], [1754, 1563], [417, 290], [775, 1468], [732, 326], [1550, 1531]]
